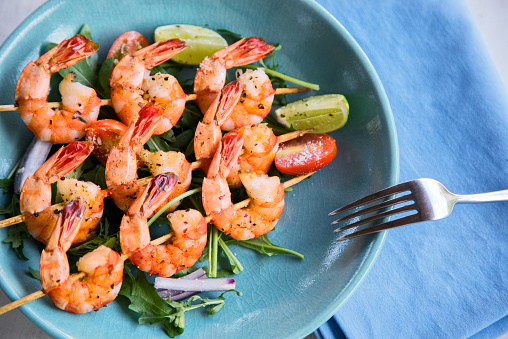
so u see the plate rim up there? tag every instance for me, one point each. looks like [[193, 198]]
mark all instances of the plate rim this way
[[378, 239]]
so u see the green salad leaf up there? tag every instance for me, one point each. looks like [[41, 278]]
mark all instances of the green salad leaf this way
[[263, 245], [152, 309]]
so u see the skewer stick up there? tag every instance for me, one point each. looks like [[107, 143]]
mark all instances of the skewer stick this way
[[286, 184], [158, 241], [20, 218], [144, 181], [293, 135], [190, 97], [81, 275], [22, 301]]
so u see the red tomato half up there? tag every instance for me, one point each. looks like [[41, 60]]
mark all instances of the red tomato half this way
[[127, 43], [305, 154]]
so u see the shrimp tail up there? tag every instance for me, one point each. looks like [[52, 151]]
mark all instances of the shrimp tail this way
[[54, 268], [134, 233], [161, 51], [64, 160], [208, 133], [154, 194], [69, 222], [244, 52], [137, 134], [216, 195], [227, 154], [68, 53], [226, 101]]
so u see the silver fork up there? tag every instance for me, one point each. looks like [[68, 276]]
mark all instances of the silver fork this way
[[418, 200]]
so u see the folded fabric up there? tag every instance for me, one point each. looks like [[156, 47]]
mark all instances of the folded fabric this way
[[447, 278]]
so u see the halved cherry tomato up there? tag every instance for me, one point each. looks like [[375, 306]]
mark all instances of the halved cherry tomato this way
[[305, 154], [127, 44]]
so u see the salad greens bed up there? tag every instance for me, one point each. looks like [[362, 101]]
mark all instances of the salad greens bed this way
[[143, 297]]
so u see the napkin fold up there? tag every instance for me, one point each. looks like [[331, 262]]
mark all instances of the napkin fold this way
[[446, 278]]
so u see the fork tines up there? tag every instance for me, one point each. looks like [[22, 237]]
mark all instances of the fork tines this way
[[405, 197]]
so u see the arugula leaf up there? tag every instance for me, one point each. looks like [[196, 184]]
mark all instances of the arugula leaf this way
[[97, 174], [262, 245], [145, 301], [36, 274], [6, 185], [182, 140], [85, 70], [236, 266], [104, 72], [190, 116], [16, 233], [143, 296], [93, 59], [223, 31]]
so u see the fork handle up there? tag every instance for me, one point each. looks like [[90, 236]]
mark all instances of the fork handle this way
[[483, 197]]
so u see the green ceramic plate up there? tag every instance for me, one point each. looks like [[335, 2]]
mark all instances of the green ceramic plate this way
[[282, 296]]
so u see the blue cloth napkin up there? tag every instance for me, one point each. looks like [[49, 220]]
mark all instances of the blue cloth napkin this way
[[447, 278]]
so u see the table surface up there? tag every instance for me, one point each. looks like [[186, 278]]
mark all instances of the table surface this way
[[491, 21]]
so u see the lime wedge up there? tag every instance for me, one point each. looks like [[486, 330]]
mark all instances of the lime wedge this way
[[202, 42], [323, 113]]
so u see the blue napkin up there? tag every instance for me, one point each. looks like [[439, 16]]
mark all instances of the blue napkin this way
[[447, 278]]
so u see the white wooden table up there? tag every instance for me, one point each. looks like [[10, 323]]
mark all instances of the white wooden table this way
[[490, 16]]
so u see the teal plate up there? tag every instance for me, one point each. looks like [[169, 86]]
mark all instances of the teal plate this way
[[283, 297]]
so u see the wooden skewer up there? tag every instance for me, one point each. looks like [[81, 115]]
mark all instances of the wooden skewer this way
[[20, 218], [22, 301], [81, 275], [190, 97], [158, 241], [143, 181]]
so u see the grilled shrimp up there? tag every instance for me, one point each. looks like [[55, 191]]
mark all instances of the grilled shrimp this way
[[35, 198], [260, 146], [208, 132], [211, 74], [266, 193], [216, 194], [262, 213], [122, 164], [181, 251], [169, 162], [80, 103], [103, 268], [104, 135], [256, 100], [132, 87]]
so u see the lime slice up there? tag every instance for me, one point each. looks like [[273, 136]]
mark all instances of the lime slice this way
[[323, 113], [202, 42]]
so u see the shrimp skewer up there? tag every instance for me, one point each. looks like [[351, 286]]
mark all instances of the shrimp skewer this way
[[256, 101], [160, 162], [181, 251], [258, 93], [266, 193], [103, 268], [189, 97], [80, 103], [211, 75], [130, 81], [35, 198], [158, 241]]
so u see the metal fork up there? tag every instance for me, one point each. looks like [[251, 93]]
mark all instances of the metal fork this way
[[412, 201]]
